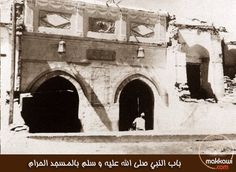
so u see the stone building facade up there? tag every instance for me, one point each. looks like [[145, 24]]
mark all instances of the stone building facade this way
[[93, 68], [197, 58], [113, 59]]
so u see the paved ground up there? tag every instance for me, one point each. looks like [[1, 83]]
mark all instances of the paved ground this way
[[16, 143], [128, 143]]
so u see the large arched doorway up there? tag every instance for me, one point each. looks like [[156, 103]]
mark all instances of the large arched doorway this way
[[53, 107], [135, 98], [197, 68]]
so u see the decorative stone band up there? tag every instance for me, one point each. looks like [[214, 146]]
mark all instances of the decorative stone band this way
[[203, 28], [56, 4], [112, 11]]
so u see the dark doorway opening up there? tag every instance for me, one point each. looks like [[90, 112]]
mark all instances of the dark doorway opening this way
[[53, 107], [135, 98], [193, 79], [197, 68]]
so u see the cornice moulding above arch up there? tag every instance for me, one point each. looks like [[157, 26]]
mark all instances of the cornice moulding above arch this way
[[98, 9]]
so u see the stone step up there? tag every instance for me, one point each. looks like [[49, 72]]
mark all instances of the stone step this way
[[126, 137]]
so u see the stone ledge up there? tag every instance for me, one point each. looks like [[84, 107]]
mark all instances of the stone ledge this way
[[122, 137], [34, 35]]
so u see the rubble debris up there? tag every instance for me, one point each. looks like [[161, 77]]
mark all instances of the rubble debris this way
[[183, 91], [185, 96], [230, 85]]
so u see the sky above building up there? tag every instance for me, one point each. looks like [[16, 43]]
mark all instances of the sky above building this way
[[219, 12]]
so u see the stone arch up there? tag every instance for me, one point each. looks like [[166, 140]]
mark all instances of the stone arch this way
[[53, 107], [197, 51], [76, 84], [156, 94], [154, 86], [44, 76]]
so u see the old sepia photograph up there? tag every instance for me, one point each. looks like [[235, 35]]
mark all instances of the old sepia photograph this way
[[118, 76]]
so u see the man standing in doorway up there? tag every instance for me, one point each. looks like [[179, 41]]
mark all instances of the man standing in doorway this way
[[139, 122]]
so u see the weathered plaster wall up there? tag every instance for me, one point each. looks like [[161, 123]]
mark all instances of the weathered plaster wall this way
[[40, 57], [5, 51], [197, 47], [160, 68], [92, 76]]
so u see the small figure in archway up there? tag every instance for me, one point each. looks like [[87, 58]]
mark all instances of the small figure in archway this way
[[139, 122]]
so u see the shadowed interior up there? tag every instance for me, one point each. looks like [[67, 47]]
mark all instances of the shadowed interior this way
[[53, 107], [136, 97]]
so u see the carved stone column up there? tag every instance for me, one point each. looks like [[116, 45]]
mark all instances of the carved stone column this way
[[157, 29], [121, 27], [162, 29], [19, 5], [80, 20], [20, 27], [29, 15], [16, 120]]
